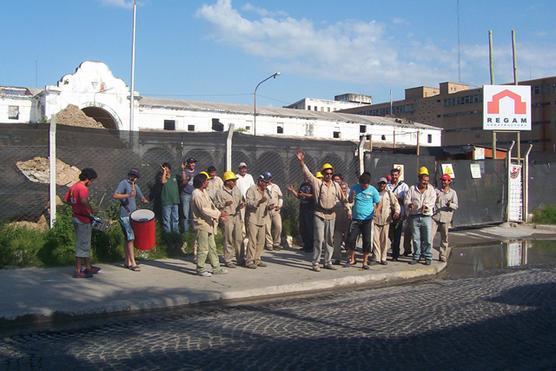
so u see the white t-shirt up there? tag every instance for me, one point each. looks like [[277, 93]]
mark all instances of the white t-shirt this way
[[244, 182]]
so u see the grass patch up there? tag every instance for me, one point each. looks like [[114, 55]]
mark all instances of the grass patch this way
[[546, 215]]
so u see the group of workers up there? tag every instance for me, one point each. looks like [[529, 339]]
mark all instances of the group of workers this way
[[332, 216]]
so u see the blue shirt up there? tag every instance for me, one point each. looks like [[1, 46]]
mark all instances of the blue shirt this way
[[364, 202], [125, 188]]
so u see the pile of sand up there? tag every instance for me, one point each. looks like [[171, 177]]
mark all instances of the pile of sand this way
[[73, 116], [37, 170]]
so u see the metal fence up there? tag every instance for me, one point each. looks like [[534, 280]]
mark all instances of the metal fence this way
[[113, 153], [481, 201]]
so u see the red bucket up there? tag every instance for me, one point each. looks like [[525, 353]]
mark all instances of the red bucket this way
[[143, 224]]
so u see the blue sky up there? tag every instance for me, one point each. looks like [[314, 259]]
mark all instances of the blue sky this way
[[218, 50]]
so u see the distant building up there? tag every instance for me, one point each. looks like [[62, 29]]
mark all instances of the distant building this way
[[340, 102], [94, 90], [459, 111]]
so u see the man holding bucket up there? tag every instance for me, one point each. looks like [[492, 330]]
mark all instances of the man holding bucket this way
[[127, 192]]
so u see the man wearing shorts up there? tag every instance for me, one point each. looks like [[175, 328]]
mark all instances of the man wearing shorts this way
[[127, 192], [78, 198], [365, 199]]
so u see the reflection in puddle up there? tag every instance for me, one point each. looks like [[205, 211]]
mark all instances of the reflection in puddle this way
[[490, 259]]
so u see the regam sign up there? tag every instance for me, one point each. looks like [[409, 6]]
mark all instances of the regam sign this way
[[506, 107]]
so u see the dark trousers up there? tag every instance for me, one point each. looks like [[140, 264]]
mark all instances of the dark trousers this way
[[306, 225], [363, 227], [396, 230]]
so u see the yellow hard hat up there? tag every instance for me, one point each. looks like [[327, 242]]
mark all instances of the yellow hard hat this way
[[423, 170], [229, 175], [205, 174], [318, 175], [326, 167]]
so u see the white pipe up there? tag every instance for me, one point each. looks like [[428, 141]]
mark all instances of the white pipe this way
[[132, 92], [229, 147], [526, 185], [509, 165], [361, 154], [52, 169]]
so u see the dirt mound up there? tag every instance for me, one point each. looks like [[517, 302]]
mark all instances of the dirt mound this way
[[73, 116], [37, 170]]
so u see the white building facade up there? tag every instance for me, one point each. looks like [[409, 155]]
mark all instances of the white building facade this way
[[94, 89]]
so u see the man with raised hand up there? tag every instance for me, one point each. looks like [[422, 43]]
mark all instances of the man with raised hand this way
[[327, 193]]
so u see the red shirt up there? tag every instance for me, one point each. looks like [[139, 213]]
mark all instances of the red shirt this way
[[76, 193]]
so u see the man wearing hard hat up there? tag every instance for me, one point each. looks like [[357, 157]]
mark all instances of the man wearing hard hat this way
[[446, 204], [327, 193], [419, 205], [257, 204], [230, 200]]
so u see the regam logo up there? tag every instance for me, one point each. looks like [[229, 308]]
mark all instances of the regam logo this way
[[506, 107]]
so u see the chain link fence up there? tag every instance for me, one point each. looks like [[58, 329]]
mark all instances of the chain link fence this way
[[482, 200], [113, 153]]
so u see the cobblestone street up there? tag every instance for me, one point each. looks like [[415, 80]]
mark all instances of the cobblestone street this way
[[493, 322]]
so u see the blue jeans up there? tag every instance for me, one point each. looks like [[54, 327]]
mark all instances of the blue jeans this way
[[185, 205], [421, 236], [170, 219]]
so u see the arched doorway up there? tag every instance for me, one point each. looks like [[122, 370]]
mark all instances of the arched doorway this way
[[101, 115]]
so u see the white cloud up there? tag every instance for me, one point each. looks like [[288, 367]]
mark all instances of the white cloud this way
[[355, 51], [126, 4], [248, 7]]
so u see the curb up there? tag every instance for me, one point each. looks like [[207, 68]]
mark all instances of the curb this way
[[185, 298]]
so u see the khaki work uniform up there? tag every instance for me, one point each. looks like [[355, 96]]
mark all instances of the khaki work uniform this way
[[326, 196], [387, 207], [205, 221], [274, 221], [214, 185], [446, 204], [233, 225], [256, 216]]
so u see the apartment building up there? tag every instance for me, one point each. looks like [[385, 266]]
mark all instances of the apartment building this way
[[458, 109]]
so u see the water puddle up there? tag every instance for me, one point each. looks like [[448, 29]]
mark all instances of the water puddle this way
[[499, 258]]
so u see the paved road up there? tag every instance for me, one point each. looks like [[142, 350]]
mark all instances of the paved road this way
[[491, 322]]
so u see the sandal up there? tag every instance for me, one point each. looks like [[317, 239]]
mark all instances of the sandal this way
[[134, 268]]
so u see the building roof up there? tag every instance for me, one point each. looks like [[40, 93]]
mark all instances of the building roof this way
[[280, 112]]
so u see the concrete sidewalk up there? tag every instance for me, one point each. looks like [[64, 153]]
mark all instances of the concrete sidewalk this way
[[41, 293]]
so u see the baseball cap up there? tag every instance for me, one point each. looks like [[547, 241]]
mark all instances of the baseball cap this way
[[382, 180], [133, 172], [242, 164], [446, 177], [190, 160]]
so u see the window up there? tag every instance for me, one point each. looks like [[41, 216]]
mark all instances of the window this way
[[383, 137], [316, 108], [13, 112], [336, 134], [362, 128], [248, 128], [328, 109], [429, 138], [309, 108], [190, 127], [279, 129], [169, 124]]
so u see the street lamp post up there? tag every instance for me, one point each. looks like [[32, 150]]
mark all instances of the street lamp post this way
[[273, 76], [132, 88]]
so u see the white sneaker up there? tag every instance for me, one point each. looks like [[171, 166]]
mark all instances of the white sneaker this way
[[220, 271], [205, 274]]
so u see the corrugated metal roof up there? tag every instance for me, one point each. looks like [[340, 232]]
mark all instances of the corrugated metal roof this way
[[279, 112]]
